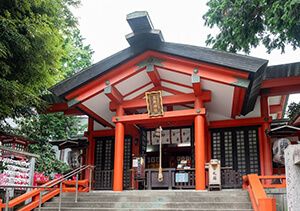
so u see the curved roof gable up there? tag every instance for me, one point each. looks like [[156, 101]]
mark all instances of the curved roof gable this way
[[144, 38]]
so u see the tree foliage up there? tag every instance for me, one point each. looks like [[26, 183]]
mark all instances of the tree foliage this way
[[39, 45], [44, 128], [293, 110], [244, 24]]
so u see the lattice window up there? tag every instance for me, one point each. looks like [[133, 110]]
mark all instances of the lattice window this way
[[237, 148], [241, 152], [216, 144], [228, 158], [127, 163], [108, 155], [253, 151]]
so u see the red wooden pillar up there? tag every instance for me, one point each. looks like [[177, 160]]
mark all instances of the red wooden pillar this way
[[89, 150], [119, 153], [207, 143], [199, 147], [266, 140], [267, 151]]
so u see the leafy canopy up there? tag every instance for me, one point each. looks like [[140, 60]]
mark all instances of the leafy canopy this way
[[45, 127], [244, 24], [40, 44], [293, 110]]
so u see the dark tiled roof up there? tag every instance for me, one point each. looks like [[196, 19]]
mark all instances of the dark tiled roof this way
[[245, 63], [283, 70]]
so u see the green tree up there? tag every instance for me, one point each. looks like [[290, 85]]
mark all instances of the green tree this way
[[39, 45], [244, 24], [293, 110], [46, 127]]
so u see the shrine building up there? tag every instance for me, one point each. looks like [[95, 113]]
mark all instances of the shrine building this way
[[210, 104]]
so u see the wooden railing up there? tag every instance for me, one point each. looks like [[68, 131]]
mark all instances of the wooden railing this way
[[256, 184], [43, 193]]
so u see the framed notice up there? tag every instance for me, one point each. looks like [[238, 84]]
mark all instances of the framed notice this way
[[154, 103], [165, 137], [175, 136], [154, 139], [181, 177], [186, 135]]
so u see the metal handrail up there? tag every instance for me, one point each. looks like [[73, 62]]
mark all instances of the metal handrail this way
[[51, 184]]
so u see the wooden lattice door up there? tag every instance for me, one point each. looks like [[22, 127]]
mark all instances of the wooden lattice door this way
[[104, 163], [237, 148]]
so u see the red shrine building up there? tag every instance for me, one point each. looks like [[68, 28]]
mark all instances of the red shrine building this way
[[216, 105]]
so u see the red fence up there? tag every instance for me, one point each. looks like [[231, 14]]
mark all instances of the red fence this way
[[256, 185]]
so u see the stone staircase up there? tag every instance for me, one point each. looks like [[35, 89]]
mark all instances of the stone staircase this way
[[233, 200]]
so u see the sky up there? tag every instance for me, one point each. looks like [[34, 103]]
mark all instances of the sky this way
[[103, 25]]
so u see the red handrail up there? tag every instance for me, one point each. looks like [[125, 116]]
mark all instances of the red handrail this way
[[256, 184], [52, 187]]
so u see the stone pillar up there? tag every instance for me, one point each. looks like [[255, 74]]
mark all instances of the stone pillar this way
[[292, 171]]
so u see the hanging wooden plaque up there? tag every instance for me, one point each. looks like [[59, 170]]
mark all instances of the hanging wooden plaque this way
[[154, 103]]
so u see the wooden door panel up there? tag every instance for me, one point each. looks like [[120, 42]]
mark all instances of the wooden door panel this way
[[104, 163], [237, 148]]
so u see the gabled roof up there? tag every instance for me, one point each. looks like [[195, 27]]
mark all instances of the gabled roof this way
[[144, 38]]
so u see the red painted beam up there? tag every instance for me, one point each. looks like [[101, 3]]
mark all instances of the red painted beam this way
[[207, 71], [168, 116], [101, 133], [237, 101], [137, 89], [284, 90], [281, 82], [196, 84], [275, 108], [167, 100], [210, 74], [94, 116], [204, 67], [114, 76], [172, 91], [142, 95], [167, 124], [237, 122], [153, 75], [283, 100], [176, 83], [264, 106], [58, 107], [113, 94], [73, 111], [172, 63]]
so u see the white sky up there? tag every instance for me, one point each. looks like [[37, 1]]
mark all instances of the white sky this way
[[103, 24]]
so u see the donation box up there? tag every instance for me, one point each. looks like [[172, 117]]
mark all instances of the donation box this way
[[214, 172]]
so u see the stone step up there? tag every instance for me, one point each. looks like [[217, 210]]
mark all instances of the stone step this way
[[163, 193], [154, 205], [155, 198], [125, 209]]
